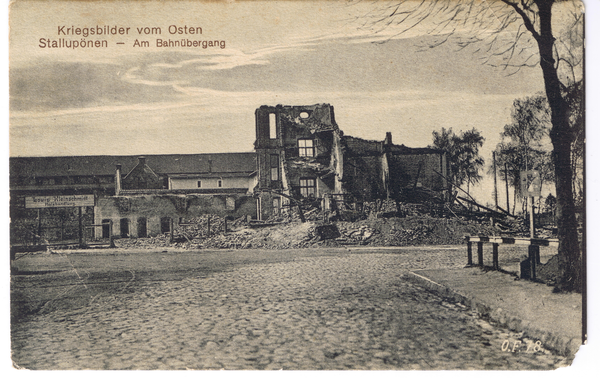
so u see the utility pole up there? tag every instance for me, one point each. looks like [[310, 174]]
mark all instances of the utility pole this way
[[531, 225], [506, 182], [495, 182]]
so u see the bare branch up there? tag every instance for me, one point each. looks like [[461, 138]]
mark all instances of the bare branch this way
[[526, 20]]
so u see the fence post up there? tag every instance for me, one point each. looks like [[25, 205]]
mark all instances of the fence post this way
[[80, 228], [534, 252], [469, 252], [171, 234], [110, 234], [495, 264], [39, 228], [480, 254]]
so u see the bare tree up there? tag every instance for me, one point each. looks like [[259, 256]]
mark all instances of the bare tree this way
[[513, 34]]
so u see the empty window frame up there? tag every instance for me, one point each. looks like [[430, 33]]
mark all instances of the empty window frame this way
[[276, 205], [274, 165], [142, 227], [106, 231], [308, 187], [165, 225], [272, 126], [199, 184], [220, 183], [124, 227], [306, 147]]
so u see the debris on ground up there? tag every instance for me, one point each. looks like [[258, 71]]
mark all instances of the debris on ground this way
[[285, 231], [549, 272]]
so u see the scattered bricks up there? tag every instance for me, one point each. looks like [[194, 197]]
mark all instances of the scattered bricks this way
[[327, 231]]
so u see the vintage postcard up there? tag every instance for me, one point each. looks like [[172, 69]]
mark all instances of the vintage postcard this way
[[297, 185]]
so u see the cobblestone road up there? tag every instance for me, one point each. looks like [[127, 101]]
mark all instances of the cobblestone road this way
[[339, 311]]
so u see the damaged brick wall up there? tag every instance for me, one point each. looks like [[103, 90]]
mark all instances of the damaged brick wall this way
[[363, 178], [363, 172], [303, 139], [305, 143], [153, 208], [379, 170]]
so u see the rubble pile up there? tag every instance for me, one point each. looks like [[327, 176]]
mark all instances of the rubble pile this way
[[283, 236], [285, 231], [381, 223], [159, 241], [549, 272], [412, 230]]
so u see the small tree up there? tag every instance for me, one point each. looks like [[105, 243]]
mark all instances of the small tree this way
[[462, 152], [525, 144]]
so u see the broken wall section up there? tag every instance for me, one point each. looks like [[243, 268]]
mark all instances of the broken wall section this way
[[150, 215], [417, 177], [295, 145]]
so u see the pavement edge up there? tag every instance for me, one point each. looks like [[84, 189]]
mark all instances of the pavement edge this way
[[563, 345]]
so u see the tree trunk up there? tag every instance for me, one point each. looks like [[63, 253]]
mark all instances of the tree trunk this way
[[561, 136]]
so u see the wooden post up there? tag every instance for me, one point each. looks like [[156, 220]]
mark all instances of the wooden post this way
[[495, 181], [39, 230], [208, 226], [506, 182], [480, 254], [110, 234], [469, 253], [80, 228], [534, 250], [495, 264], [225, 225], [531, 225], [301, 214], [171, 233]]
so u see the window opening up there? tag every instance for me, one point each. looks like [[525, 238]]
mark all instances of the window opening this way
[[307, 187], [124, 227], [276, 205], [142, 227], [220, 183], [105, 228], [272, 126], [199, 184], [274, 167], [304, 115], [165, 225], [306, 147]]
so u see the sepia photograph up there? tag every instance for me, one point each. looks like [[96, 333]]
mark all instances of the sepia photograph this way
[[297, 185]]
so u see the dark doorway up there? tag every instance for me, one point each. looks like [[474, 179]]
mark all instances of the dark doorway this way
[[124, 227], [105, 228], [142, 230], [165, 225]]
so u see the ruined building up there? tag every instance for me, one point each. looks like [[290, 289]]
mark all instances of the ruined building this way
[[301, 157], [302, 153]]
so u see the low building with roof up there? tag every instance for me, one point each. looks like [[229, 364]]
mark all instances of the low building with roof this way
[[300, 157]]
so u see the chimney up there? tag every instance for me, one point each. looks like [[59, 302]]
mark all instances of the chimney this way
[[141, 160], [209, 166], [118, 180], [388, 139]]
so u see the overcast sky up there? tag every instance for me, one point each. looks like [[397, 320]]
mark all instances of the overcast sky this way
[[151, 100]]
